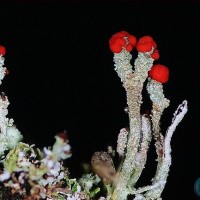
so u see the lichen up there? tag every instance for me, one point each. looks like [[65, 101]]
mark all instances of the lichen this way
[[30, 173]]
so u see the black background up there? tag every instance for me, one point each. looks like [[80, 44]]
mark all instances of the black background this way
[[62, 77]]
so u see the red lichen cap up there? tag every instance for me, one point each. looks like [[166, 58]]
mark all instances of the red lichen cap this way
[[2, 50], [121, 40], [129, 47], [155, 55], [117, 40], [132, 39], [115, 48], [63, 135], [145, 44], [159, 73], [121, 34]]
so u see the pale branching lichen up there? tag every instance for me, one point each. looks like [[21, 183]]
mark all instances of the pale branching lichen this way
[[30, 173], [132, 146]]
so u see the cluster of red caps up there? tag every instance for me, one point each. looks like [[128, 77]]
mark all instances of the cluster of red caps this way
[[124, 40]]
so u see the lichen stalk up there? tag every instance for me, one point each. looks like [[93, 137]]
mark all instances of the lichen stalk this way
[[133, 84], [3, 100], [122, 141], [163, 171], [155, 90], [141, 156], [9, 135], [2, 68]]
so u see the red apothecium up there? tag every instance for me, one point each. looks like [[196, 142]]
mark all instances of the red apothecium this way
[[159, 73], [121, 40], [2, 50]]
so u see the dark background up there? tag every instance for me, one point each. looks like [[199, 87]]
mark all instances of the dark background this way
[[62, 77]]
